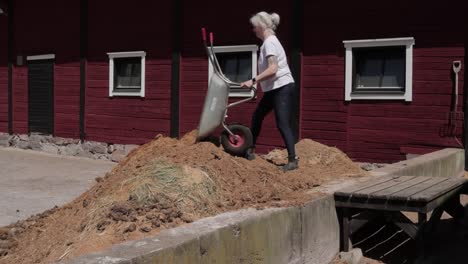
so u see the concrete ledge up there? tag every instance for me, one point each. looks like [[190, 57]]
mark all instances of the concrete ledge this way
[[447, 162], [307, 234]]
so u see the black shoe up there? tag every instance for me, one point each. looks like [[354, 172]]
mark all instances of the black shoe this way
[[291, 165], [250, 154]]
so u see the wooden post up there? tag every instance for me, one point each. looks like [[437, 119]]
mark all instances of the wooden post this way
[[344, 220]]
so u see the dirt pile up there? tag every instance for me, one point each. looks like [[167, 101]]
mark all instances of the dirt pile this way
[[166, 183]]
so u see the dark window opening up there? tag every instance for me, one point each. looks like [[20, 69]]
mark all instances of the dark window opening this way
[[380, 69], [127, 74], [236, 66]]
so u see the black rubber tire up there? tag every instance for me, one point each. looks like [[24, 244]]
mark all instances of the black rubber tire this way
[[242, 131]]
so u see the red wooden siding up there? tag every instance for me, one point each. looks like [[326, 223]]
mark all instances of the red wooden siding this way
[[20, 100], [232, 28], [67, 99], [381, 131], [124, 27], [41, 28], [3, 74]]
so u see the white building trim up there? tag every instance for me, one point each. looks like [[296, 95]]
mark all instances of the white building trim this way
[[388, 42], [233, 49], [130, 54], [41, 57]]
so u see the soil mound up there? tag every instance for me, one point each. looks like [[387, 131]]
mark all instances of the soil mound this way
[[166, 183]]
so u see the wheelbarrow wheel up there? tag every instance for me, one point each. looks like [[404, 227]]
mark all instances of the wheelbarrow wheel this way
[[238, 144]]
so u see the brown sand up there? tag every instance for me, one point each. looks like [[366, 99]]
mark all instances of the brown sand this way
[[166, 183]]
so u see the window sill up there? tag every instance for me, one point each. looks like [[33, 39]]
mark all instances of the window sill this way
[[377, 93], [379, 96], [239, 93], [126, 94]]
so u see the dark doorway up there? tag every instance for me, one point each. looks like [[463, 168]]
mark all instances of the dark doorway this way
[[41, 96]]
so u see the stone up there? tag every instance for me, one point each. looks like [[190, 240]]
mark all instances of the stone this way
[[23, 145], [130, 148], [95, 147], [58, 141], [4, 143], [23, 137], [4, 140], [71, 150], [49, 148], [101, 156], [110, 148], [14, 140], [353, 256], [35, 142], [34, 145], [38, 137], [118, 155], [85, 154], [119, 147], [4, 136], [64, 141]]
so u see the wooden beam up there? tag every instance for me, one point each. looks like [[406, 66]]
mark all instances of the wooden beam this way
[[297, 31], [11, 56], [175, 69], [83, 59]]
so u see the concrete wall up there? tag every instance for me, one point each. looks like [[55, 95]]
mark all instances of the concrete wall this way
[[307, 235], [449, 162]]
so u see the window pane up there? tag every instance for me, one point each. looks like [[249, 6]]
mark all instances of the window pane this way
[[379, 68], [127, 73], [394, 75], [368, 72], [236, 66]]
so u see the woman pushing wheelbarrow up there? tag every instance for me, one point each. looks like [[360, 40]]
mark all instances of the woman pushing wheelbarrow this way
[[277, 84]]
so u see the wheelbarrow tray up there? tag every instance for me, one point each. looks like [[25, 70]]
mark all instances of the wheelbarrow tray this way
[[214, 108]]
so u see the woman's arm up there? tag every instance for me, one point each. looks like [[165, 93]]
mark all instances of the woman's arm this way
[[267, 74]]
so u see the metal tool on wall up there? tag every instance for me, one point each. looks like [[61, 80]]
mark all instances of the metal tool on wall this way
[[454, 114]]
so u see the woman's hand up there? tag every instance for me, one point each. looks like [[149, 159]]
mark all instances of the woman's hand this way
[[247, 84]]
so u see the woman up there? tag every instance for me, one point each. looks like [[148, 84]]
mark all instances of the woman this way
[[277, 84]]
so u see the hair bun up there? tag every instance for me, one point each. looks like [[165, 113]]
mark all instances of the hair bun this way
[[275, 18]]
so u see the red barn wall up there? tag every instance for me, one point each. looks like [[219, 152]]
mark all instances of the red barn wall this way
[[3, 74], [381, 131], [45, 27], [123, 27]]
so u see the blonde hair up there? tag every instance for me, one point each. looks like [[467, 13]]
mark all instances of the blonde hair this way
[[266, 21]]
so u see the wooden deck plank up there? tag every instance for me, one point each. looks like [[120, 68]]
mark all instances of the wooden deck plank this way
[[400, 187], [437, 190], [367, 192], [357, 187], [404, 194]]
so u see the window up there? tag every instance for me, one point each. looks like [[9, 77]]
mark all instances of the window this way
[[127, 73], [379, 69], [238, 63]]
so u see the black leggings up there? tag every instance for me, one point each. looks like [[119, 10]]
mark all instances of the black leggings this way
[[281, 100]]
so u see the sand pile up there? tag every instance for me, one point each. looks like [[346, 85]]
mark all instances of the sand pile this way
[[166, 183]]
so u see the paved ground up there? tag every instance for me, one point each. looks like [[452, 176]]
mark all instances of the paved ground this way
[[31, 182]]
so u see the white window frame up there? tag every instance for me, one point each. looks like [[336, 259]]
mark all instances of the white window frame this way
[[388, 42], [41, 57], [130, 54], [234, 49]]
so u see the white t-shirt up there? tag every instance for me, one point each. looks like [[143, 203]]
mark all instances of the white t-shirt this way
[[272, 46]]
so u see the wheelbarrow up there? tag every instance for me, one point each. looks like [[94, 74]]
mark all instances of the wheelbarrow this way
[[235, 138]]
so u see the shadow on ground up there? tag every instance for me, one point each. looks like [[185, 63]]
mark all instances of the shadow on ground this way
[[389, 244]]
